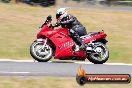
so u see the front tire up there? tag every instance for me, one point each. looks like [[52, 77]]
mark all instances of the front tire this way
[[100, 54], [39, 54]]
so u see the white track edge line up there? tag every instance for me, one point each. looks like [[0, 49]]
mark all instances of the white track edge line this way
[[73, 62], [15, 72]]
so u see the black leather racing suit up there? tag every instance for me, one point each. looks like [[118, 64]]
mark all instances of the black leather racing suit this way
[[76, 29]]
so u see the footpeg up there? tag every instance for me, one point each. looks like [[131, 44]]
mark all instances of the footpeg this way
[[89, 49]]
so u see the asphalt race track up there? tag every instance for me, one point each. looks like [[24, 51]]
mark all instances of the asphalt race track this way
[[30, 68]]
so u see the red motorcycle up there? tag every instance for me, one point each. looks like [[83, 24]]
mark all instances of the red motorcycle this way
[[56, 43]]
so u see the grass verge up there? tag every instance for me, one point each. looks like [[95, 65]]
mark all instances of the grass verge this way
[[51, 82]]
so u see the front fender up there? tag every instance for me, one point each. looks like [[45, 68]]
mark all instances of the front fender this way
[[42, 40]]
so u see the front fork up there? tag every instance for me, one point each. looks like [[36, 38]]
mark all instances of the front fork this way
[[43, 40], [44, 43]]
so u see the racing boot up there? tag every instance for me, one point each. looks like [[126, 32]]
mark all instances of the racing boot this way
[[81, 44], [82, 47]]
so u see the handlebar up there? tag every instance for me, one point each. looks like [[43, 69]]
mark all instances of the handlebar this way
[[49, 19]]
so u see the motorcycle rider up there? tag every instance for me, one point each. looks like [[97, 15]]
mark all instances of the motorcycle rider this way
[[75, 28]]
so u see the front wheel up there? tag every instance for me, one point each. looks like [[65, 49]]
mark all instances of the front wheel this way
[[40, 53], [99, 55]]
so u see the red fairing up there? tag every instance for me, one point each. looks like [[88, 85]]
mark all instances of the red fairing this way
[[63, 43], [45, 31]]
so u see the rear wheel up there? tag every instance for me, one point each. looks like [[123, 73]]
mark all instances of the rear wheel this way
[[40, 53], [99, 55]]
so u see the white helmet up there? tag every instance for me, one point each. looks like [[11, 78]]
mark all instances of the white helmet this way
[[60, 13]]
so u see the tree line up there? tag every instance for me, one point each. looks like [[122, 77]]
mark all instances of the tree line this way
[[33, 2], [52, 2]]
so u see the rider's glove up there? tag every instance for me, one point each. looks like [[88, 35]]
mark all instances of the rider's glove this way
[[57, 24]]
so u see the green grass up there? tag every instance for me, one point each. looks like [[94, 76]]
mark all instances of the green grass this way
[[18, 24], [51, 82]]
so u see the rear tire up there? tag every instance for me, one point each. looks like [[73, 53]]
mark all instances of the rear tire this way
[[39, 54], [99, 59]]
